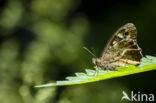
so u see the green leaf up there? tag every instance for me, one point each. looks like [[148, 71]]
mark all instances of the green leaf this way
[[147, 63]]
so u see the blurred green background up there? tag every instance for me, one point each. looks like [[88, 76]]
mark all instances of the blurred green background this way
[[41, 41]]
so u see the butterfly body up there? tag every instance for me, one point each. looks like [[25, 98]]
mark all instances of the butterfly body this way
[[121, 50]]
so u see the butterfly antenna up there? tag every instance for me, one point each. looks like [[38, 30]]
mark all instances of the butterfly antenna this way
[[89, 51]]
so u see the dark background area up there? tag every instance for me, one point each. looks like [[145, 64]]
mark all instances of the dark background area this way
[[41, 41]]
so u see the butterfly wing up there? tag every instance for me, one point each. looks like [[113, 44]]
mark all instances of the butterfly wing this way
[[122, 45]]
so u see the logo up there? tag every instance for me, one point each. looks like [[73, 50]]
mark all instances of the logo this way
[[137, 96]]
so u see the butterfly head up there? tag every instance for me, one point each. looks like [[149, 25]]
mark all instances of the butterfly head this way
[[127, 31], [96, 61]]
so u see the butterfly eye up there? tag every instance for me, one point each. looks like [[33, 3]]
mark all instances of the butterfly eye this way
[[126, 33]]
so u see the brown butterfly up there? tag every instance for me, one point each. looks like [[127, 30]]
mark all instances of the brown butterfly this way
[[121, 50]]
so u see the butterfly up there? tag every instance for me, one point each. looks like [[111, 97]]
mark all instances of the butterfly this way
[[121, 50]]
